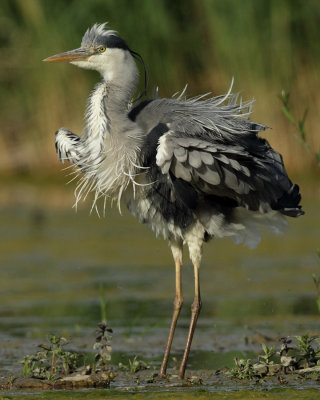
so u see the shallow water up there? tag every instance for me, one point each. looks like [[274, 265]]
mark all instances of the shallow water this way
[[193, 394], [57, 266]]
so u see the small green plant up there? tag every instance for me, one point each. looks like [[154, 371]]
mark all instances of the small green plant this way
[[269, 352], [243, 369], [316, 281], [134, 366], [29, 365], [51, 362], [307, 352], [287, 354], [299, 125], [103, 346], [290, 358]]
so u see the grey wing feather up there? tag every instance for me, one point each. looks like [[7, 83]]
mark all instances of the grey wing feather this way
[[220, 172], [206, 158], [210, 176], [180, 171], [195, 160], [212, 145], [216, 117], [181, 154]]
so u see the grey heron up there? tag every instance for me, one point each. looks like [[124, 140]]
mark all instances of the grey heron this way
[[191, 169]]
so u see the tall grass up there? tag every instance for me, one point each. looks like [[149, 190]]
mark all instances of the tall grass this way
[[267, 45]]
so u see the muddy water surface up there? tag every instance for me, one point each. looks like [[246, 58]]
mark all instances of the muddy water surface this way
[[57, 266]]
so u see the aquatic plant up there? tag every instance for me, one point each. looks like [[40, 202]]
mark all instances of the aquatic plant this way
[[302, 357], [51, 362], [244, 369], [307, 351], [134, 365], [103, 346], [287, 354], [268, 353]]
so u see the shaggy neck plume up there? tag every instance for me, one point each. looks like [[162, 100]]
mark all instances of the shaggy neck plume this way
[[109, 144]]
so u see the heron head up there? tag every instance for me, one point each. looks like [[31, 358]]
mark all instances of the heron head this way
[[101, 50]]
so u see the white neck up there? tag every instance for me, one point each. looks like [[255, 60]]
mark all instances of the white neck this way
[[110, 145], [108, 102], [121, 74], [111, 141]]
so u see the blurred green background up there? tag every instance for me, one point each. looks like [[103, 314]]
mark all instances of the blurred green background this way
[[55, 263], [267, 45]]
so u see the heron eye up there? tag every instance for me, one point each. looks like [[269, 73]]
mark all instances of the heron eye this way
[[101, 49]]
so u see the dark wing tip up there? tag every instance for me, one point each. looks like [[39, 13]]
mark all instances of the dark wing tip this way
[[292, 212], [288, 204]]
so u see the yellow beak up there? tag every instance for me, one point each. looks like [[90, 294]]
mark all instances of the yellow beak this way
[[73, 55]]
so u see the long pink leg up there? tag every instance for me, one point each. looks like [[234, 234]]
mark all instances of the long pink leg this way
[[177, 304]]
